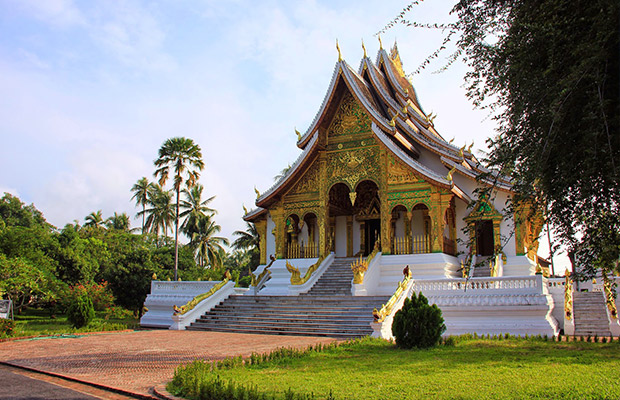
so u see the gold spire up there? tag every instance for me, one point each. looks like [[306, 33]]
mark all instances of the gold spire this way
[[257, 192], [339, 54], [364, 47], [380, 44], [245, 210], [470, 146], [462, 150], [298, 135]]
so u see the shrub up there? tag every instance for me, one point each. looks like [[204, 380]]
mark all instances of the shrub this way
[[7, 327], [117, 313], [99, 293], [80, 311], [418, 324]]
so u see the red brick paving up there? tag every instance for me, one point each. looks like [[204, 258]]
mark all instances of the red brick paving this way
[[137, 361]]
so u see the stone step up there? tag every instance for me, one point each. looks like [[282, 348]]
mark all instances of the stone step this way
[[340, 335]]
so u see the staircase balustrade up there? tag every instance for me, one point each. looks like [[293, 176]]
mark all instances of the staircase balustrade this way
[[610, 299]]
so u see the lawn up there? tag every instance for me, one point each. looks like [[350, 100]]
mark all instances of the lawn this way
[[471, 369], [36, 322]]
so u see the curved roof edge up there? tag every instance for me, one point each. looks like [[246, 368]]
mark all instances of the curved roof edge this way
[[472, 175], [255, 213]]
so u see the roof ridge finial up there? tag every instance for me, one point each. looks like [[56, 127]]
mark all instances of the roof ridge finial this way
[[298, 134], [364, 47], [339, 54], [380, 43]]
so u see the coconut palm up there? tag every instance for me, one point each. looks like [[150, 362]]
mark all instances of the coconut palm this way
[[248, 239], [118, 221], [160, 214], [194, 208], [94, 220], [208, 247], [184, 157], [141, 194], [282, 173]]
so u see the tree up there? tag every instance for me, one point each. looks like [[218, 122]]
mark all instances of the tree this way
[[194, 208], [208, 247], [184, 157], [161, 212], [248, 241], [15, 213], [548, 70], [118, 221], [141, 192], [94, 220], [25, 284]]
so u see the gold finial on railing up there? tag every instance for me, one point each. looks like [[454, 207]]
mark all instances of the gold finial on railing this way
[[568, 296], [609, 297]]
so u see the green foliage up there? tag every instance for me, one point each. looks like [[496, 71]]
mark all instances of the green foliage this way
[[115, 312], [25, 284], [7, 328], [15, 213], [99, 293], [548, 69], [418, 324], [80, 311]]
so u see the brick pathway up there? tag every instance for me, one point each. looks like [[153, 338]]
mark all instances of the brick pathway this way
[[137, 361]]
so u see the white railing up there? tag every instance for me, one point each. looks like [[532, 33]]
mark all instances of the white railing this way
[[181, 318], [533, 284], [184, 287]]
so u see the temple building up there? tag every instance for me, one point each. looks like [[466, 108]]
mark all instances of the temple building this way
[[379, 206], [374, 172]]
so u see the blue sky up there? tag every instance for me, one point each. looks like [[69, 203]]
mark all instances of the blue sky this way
[[91, 89]]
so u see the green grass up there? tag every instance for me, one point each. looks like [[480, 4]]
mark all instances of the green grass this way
[[35, 322], [472, 369]]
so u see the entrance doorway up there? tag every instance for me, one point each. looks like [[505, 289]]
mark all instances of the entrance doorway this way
[[484, 238], [372, 234]]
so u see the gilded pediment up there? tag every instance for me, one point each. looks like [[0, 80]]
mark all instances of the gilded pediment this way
[[350, 118]]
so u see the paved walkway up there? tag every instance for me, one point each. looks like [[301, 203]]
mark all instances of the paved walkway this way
[[137, 361]]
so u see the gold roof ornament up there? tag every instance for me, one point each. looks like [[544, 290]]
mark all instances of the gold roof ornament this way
[[470, 146], [380, 44], [405, 110], [257, 192], [298, 134], [461, 151], [364, 47], [245, 210], [392, 122], [339, 54], [451, 140], [407, 92], [449, 176]]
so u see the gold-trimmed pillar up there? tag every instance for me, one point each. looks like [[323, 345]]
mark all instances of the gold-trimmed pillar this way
[[261, 228]]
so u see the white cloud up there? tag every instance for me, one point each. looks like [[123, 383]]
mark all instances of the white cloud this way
[[59, 13]]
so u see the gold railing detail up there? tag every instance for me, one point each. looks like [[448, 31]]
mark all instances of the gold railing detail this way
[[386, 309], [417, 244], [568, 296], [256, 279], [359, 267], [296, 278], [197, 299], [296, 250], [609, 297]]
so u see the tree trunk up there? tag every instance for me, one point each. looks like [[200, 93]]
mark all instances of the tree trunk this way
[[176, 239]]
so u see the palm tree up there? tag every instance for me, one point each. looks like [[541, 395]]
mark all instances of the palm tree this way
[[141, 194], [282, 173], [118, 221], [248, 239], [160, 214], [208, 247], [185, 158], [94, 220], [194, 208]]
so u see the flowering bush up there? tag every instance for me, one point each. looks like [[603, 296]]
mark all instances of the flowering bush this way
[[99, 293], [116, 312], [7, 327]]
